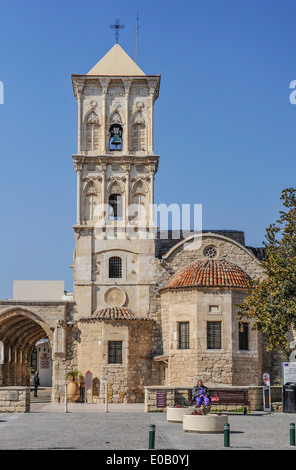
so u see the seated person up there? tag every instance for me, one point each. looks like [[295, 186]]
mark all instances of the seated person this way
[[201, 394]]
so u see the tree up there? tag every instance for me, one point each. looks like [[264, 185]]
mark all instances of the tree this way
[[272, 302]]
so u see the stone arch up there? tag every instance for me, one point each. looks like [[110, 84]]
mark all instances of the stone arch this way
[[115, 130], [115, 188], [140, 186], [203, 236], [20, 330], [139, 194], [91, 193], [115, 118]]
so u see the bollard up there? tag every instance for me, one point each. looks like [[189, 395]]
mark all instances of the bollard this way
[[151, 436], [292, 434], [66, 403], [106, 396], [226, 435]]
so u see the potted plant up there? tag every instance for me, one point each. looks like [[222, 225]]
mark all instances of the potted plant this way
[[201, 420], [175, 413], [73, 389]]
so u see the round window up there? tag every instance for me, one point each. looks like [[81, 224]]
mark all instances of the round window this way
[[210, 251]]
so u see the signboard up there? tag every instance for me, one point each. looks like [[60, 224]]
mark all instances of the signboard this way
[[160, 399], [44, 361], [88, 380], [266, 379], [13, 395], [88, 384], [289, 372]]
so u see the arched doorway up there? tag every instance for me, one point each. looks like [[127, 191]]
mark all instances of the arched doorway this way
[[20, 331]]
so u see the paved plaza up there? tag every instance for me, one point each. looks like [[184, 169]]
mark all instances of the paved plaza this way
[[126, 427]]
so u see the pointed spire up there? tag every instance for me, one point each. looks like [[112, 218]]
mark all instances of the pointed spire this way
[[116, 62]]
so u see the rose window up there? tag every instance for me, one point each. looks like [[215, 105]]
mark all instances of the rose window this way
[[210, 252]]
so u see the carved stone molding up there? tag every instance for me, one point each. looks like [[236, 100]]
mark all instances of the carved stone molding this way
[[115, 297]]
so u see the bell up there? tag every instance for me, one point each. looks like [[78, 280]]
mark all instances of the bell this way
[[115, 140]]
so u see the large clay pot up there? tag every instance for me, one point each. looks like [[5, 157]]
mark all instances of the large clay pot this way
[[73, 391]]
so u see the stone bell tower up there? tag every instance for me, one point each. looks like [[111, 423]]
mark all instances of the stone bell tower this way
[[114, 258]]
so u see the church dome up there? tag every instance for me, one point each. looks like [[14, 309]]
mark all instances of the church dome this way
[[209, 273], [115, 313]]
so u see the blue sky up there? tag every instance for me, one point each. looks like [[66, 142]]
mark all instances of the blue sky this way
[[224, 125]]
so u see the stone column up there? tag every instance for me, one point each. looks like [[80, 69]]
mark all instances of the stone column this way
[[103, 170], [127, 193], [152, 88], [79, 91], [78, 169], [127, 84], [152, 169], [104, 84]]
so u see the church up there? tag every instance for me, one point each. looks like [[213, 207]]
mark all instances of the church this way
[[146, 309]]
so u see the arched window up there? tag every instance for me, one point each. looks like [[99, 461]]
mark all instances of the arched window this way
[[115, 142], [92, 132], [139, 132], [115, 267], [91, 197], [138, 137], [115, 207], [34, 360], [139, 202]]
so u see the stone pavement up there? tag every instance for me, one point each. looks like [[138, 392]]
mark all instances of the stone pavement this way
[[126, 427]]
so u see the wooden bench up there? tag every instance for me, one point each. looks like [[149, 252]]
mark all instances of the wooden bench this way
[[227, 397], [230, 397]]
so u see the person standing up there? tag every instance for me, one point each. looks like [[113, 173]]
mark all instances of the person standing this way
[[36, 383]]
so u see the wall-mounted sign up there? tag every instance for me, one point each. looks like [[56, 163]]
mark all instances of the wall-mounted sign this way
[[266, 379], [160, 399], [289, 372], [13, 395], [44, 361], [88, 380]]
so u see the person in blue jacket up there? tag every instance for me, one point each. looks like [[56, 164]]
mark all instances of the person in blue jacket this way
[[200, 394]]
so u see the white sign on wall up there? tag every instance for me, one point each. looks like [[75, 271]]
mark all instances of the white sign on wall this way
[[44, 361], [1, 353], [289, 372]]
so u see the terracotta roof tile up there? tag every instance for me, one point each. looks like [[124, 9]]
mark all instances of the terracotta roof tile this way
[[209, 273], [115, 313]]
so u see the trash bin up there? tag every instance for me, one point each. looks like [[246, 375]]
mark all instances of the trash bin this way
[[289, 398]]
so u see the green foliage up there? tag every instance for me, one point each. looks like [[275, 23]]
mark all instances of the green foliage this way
[[72, 375], [272, 302]]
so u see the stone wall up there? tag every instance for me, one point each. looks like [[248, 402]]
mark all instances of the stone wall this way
[[228, 365], [126, 380], [14, 399]]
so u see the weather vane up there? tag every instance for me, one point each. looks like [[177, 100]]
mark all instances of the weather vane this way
[[117, 26]]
